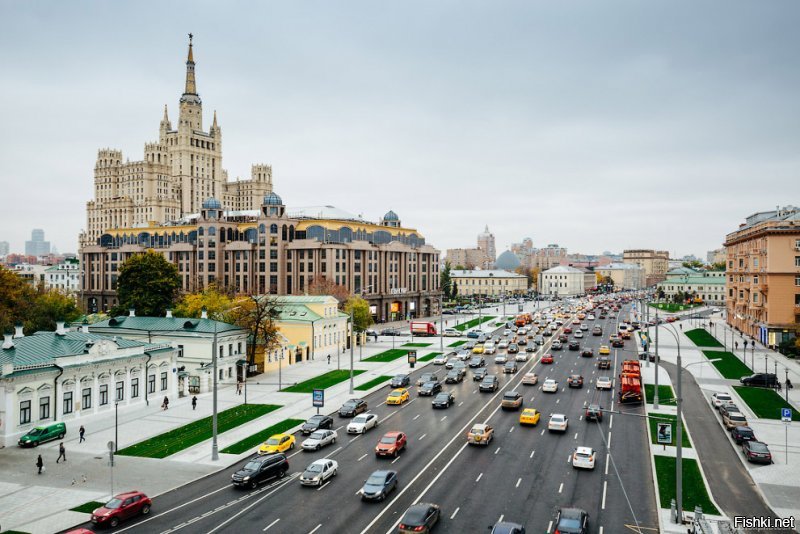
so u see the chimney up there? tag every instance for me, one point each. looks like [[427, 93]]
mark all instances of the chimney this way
[[131, 312], [204, 314], [18, 332], [60, 328], [169, 314], [85, 327], [8, 342]]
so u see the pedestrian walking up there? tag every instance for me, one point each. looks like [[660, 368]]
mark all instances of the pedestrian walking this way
[[736, 343], [40, 464], [82, 431], [329, 359], [165, 404], [62, 452], [194, 403], [239, 387]]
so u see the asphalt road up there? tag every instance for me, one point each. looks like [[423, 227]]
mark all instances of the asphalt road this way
[[523, 476]]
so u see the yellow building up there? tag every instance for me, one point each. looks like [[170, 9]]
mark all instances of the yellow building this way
[[313, 327], [488, 283]]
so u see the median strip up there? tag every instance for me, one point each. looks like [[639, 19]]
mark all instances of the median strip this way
[[331, 378], [374, 382], [260, 437]]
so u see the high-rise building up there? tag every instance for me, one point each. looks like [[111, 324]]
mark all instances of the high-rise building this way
[[486, 244], [37, 246], [715, 256], [654, 262], [4, 248]]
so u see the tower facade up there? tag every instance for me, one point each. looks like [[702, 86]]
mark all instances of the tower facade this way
[[486, 244]]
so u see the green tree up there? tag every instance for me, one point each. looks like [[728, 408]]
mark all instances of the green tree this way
[[454, 292], [719, 266], [445, 281], [362, 319], [216, 303], [257, 314], [147, 283], [48, 307], [16, 299], [694, 264]]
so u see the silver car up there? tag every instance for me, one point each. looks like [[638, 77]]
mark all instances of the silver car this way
[[319, 439]]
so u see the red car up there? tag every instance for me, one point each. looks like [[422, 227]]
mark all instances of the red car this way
[[547, 358], [391, 444], [567, 330], [121, 507]]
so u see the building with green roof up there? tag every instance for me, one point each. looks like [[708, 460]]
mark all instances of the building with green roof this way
[[708, 286]]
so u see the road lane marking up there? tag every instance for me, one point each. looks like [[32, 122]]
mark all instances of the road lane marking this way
[[315, 529], [443, 418], [605, 487], [532, 453], [393, 461], [416, 417], [421, 437], [518, 482], [460, 403], [580, 418], [381, 404], [479, 477], [561, 487], [271, 524], [510, 429], [608, 441], [549, 526], [501, 518], [601, 530], [334, 452], [325, 484], [543, 432], [498, 450], [608, 461], [276, 487], [355, 438], [569, 458], [576, 435], [361, 458], [610, 421], [454, 513]]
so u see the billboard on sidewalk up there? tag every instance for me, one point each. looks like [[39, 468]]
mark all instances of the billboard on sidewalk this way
[[664, 435]]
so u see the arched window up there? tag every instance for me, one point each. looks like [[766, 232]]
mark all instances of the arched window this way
[[291, 233], [200, 231], [212, 230], [273, 228], [284, 233], [262, 228]]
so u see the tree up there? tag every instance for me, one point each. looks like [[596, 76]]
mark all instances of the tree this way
[[694, 264], [718, 266], [216, 303], [48, 307], [445, 280], [454, 292], [257, 314], [16, 299], [147, 283], [534, 277], [362, 318], [320, 285]]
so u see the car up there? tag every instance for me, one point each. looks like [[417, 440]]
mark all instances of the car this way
[[43, 433], [120, 507], [530, 379], [460, 366], [741, 434], [574, 345], [591, 317], [454, 376], [718, 399], [597, 331], [501, 358], [378, 485], [618, 342], [419, 518], [603, 363], [507, 527], [398, 396], [277, 443], [443, 399], [391, 332], [513, 348], [480, 434], [502, 344], [604, 382], [583, 458], [452, 363], [489, 383], [575, 381], [578, 335], [319, 439], [522, 341], [510, 367], [727, 407], [625, 335], [399, 381], [427, 377], [563, 338], [558, 423], [587, 352], [594, 412], [391, 444], [757, 452], [352, 407], [429, 388], [550, 386], [604, 350], [477, 361], [567, 330], [585, 327], [512, 400], [477, 349], [469, 345], [441, 359], [731, 419], [489, 348], [529, 416], [547, 358], [760, 380], [463, 354], [319, 471], [361, 423], [260, 469], [506, 332], [478, 374], [452, 332], [556, 345], [572, 521]]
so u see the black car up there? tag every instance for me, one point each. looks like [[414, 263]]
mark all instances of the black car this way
[[530, 348], [378, 485], [603, 363], [479, 374], [429, 388], [454, 376], [742, 433], [427, 377], [477, 361], [572, 521], [489, 383], [563, 338], [401, 381], [316, 422], [444, 399], [419, 517], [618, 342], [504, 527], [594, 413], [761, 380], [353, 407], [575, 381], [260, 469], [757, 452], [391, 332], [574, 345], [587, 353]]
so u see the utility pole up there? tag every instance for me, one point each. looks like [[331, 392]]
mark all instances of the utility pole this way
[[655, 395], [351, 350], [441, 325], [214, 446]]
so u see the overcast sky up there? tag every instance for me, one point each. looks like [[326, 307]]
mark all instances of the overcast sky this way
[[596, 125]]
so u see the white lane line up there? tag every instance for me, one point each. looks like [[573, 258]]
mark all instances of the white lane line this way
[[479, 477], [249, 506], [533, 398], [510, 429], [355, 438], [498, 450], [501, 518], [361, 457], [608, 461], [608, 441], [576, 435], [460, 403], [475, 391], [316, 529], [611, 421], [334, 452], [381, 404], [421, 437], [605, 487], [580, 418], [322, 486], [549, 526], [271, 524], [569, 458], [532, 453], [601, 530], [393, 461], [543, 432], [416, 417], [557, 400], [456, 511], [561, 487], [519, 480], [443, 418]]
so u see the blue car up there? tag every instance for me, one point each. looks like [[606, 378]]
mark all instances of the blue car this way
[[473, 334]]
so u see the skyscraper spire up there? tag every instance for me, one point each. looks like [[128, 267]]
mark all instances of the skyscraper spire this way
[[215, 120], [166, 116], [191, 87]]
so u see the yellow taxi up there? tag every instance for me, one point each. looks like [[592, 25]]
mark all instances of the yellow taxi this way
[[398, 396], [604, 350], [477, 349], [277, 443], [529, 416]]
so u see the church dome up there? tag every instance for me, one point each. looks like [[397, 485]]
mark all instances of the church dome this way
[[212, 204], [391, 216], [507, 261], [272, 199]]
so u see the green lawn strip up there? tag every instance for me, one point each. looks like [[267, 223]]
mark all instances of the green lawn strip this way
[[428, 357], [196, 432], [474, 322], [260, 437], [374, 382], [671, 307], [387, 355], [701, 338], [729, 365], [666, 418], [412, 345], [324, 381], [694, 489], [665, 394], [765, 403], [85, 508], [457, 343]]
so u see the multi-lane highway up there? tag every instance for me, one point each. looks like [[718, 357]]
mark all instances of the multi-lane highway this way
[[524, 475]]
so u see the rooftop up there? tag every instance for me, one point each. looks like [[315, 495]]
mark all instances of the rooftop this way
[[163, 325], [563, 269], [489, 273]]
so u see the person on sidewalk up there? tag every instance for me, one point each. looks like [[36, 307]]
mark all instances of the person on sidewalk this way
[[165, 404], [329, 359], [40, 464], [194, 403], [62, 452], [82, 431], [239, 387]]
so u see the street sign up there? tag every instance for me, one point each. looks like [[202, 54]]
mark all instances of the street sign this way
[[786, 415], [412, 357], [664, 435], [318, 398]]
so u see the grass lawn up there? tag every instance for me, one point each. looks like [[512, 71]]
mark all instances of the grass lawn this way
[[85, 508], [666, 418], [701, 338], [428, 357], [457, 343], [186, 436], [665, 394], [412, 345], [374, 382], [260, 437], [694, 489], [729, 365], [474, 322], [765, 403], [331, 378], [387, 355], [671, 307]]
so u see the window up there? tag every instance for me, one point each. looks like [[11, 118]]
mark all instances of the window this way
[[103, 394], [151, 384], [120, 391], [755, 262], [755, 279], [797, 300], [797, 280], [24, 412], [67, 402], [797, 261], [44, 407], [134, 388], [755, 297], [86, 398], [163, 381]]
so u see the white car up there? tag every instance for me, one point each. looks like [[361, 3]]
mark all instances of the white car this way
[[318, 439], [603, 382], [319, 471], [578, 334], [452, 332], [530, 379], [522, 331], [584, 327], [550, 386], [500, 358], [718, 399], [489, 348], [503, 344], [557, 423], [361, 423], [583, 458], [521, 357], [506, 332], [591, 317], [441, 359]]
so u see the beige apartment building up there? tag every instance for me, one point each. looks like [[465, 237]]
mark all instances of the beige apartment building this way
[[654, 262], [624, 275], [763, 270], [489, 283], [469, 258]]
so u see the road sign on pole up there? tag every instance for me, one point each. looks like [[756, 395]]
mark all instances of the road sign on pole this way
[[786, 415], [318, 398]]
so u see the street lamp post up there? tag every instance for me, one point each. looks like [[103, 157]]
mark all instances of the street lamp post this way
[[351, 349], [655, 394], [214, 446], [441, 324], [116, 425]]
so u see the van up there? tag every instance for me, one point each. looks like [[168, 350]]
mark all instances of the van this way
[[41, 434]]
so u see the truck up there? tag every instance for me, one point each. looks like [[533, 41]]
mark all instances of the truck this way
[[630, 382], [523, 319], [421, 328]]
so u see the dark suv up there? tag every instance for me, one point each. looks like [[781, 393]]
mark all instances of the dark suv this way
[[316, 422], [260, 469], [761, 380]]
